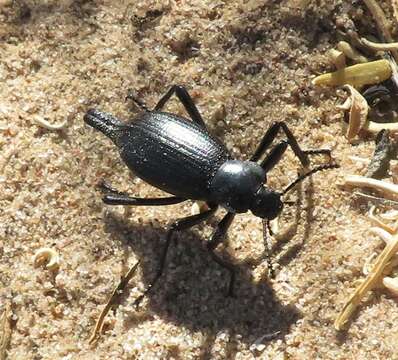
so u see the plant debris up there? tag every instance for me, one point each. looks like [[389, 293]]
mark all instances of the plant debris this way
[[389, 190], [47, 125], [383, 102], [351, 52], [384, 152], [112, 301], [375, 128], [358, 112], [48, 256], [374, 278], [376, 199], [381, 22], [358, 75], [379, 46], [338, 58]]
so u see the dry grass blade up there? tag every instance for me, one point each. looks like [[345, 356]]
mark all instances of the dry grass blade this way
[[111, 301], [47, 125]]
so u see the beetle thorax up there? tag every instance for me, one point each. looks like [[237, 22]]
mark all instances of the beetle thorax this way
[[235, 185]]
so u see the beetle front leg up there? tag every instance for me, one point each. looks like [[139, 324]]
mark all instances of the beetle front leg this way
[[182, 224], [217, 238], [185, 99]]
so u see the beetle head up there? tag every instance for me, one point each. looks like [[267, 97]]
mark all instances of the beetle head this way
[[267, 203]]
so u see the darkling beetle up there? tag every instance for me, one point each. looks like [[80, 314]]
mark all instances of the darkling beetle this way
[[181, 157]]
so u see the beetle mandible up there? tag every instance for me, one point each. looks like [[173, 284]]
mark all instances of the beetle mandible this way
[[181, 157]]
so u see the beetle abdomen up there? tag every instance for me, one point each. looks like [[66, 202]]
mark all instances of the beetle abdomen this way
[[172, 153]]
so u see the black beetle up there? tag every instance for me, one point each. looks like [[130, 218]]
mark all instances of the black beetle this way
[[181, 157]]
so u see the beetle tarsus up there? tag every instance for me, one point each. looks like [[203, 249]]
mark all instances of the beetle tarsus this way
[[106, 188]]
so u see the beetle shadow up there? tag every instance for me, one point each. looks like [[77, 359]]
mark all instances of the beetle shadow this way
[[294, 249], [284, 249], [192, 290]]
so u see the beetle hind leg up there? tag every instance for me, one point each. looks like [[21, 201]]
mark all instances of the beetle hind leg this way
[[186, 100]]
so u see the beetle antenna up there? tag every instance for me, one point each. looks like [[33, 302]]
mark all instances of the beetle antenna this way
[[268, 247], [309, 173]]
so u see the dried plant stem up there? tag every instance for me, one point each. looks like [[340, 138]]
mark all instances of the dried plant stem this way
[[382, 23], [379, 46], [375, 128], [111, 301], [386, 188]]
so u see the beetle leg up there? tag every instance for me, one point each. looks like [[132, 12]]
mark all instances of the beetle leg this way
[[271, 134], [181, 224], [274, 156], [124, 199], [186, 100], [116, 197], [218, 236]]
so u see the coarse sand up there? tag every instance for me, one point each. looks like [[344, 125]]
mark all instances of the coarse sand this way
[[246, 64]]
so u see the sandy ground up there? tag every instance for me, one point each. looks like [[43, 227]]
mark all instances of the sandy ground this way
[[246, 64]]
